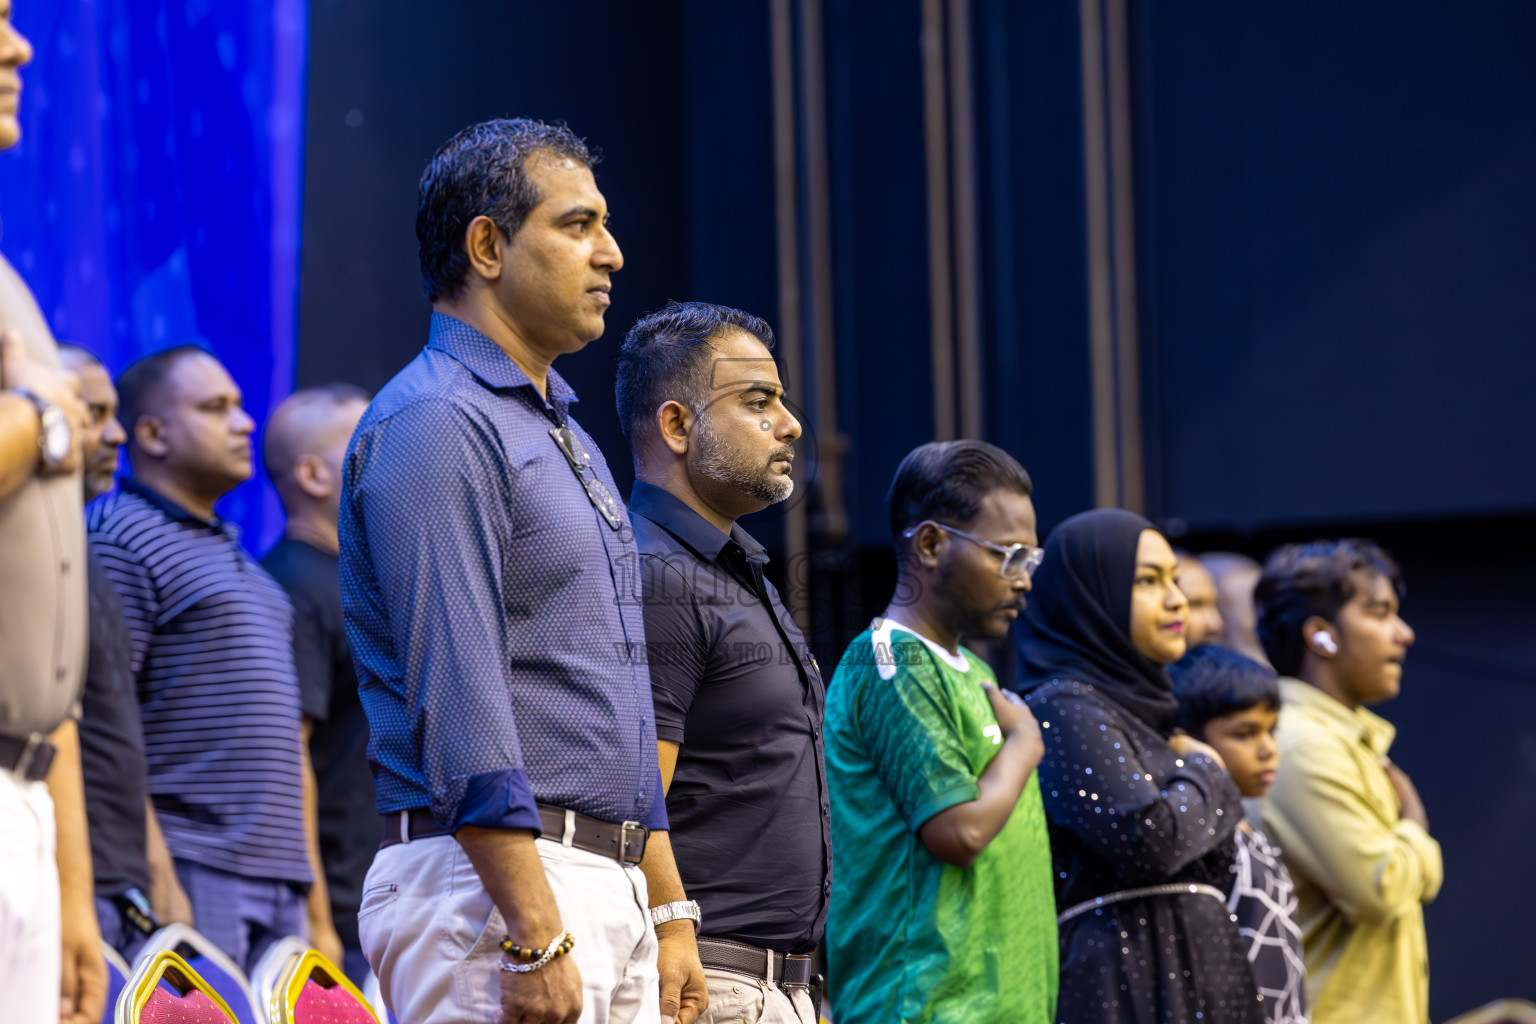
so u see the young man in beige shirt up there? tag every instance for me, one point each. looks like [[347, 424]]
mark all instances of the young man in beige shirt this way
[[1352, 828]]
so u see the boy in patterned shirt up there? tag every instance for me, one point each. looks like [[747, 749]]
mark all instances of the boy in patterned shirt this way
[[1233, 704], [942, 905]]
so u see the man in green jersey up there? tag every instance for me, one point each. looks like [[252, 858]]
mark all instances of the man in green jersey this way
[[942, 905]]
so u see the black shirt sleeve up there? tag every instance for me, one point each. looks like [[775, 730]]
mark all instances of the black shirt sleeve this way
[[677, 649], [1137, 806]]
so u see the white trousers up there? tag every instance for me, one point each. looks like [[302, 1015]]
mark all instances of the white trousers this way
[[433, 936], [30, 938]]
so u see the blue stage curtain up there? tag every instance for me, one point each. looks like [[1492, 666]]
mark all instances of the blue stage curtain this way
[[154, 199]]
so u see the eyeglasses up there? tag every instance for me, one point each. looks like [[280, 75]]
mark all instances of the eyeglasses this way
[[1018, 559], [581, 463]]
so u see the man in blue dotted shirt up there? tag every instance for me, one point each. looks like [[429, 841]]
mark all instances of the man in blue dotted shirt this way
[[482, 544]]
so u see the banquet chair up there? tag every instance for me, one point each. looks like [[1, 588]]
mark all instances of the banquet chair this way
[[163, 989], [312, 990], [218, 970], [117, 980], [265, 974]]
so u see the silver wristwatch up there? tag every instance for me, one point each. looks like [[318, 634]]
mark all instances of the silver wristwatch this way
[[54, 435], [681, 910]]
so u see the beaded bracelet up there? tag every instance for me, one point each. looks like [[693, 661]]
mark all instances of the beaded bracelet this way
[[560, 946]]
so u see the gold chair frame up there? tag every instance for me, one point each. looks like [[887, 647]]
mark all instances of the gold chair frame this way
[[291, 979], [147, 976]]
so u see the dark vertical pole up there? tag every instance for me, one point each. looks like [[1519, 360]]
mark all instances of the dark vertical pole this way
[[967, 271], [813, 98], [1122, 188], [787, 218], [940, 296], [1000, 207], [1101, 349]]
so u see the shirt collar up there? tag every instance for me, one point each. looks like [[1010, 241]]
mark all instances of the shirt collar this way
[[131, 485], [485, 359], [1358, 725], [670, 513]]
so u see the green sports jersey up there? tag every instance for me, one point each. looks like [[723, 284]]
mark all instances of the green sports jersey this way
[[909, 730]]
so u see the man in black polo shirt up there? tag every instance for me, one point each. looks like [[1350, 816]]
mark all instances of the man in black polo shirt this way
[[131, 898], [738, 697], [304, 448]]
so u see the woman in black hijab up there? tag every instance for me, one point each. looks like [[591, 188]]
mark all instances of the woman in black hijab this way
[[1141, 820]]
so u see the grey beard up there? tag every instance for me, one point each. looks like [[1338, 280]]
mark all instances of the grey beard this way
[[731, 468]]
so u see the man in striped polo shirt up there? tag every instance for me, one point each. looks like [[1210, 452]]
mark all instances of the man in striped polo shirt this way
[[212, 658]]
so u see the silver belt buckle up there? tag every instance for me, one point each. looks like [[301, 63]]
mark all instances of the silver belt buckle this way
[[37, 744], [784, 970], [624, 831]]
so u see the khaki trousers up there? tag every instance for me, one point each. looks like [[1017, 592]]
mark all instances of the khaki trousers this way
[[741, 999]]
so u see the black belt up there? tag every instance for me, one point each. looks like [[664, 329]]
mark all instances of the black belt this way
[[791, 970], [28, 757], [624, 842]]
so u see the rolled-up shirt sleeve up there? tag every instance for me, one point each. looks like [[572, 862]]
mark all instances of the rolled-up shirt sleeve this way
[[1373, 869], [439, 566], [656, 817]]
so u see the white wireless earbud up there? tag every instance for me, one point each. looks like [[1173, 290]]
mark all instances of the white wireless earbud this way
[[1324, 639]]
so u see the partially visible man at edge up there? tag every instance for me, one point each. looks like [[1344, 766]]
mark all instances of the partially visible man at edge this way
[[482, 548], [132, 899], [304, 446], [45, 868], [738, 697], [1349, 821]]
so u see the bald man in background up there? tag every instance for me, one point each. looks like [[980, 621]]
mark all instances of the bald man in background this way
[[1235, 577], [304, 448]]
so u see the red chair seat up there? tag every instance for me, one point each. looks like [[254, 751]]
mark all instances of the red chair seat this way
[[165, 1007], [318, 1005]]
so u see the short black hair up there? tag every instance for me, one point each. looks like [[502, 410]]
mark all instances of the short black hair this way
[[1212, 681], [946, 481], [480, 171], [663, 357], [138, 385], [1315, 579]]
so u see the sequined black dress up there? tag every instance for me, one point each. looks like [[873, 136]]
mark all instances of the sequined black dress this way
[[1126, 812]]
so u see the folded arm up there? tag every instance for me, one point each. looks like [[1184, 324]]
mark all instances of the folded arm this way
[[1096, 785], [1373, 869]]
